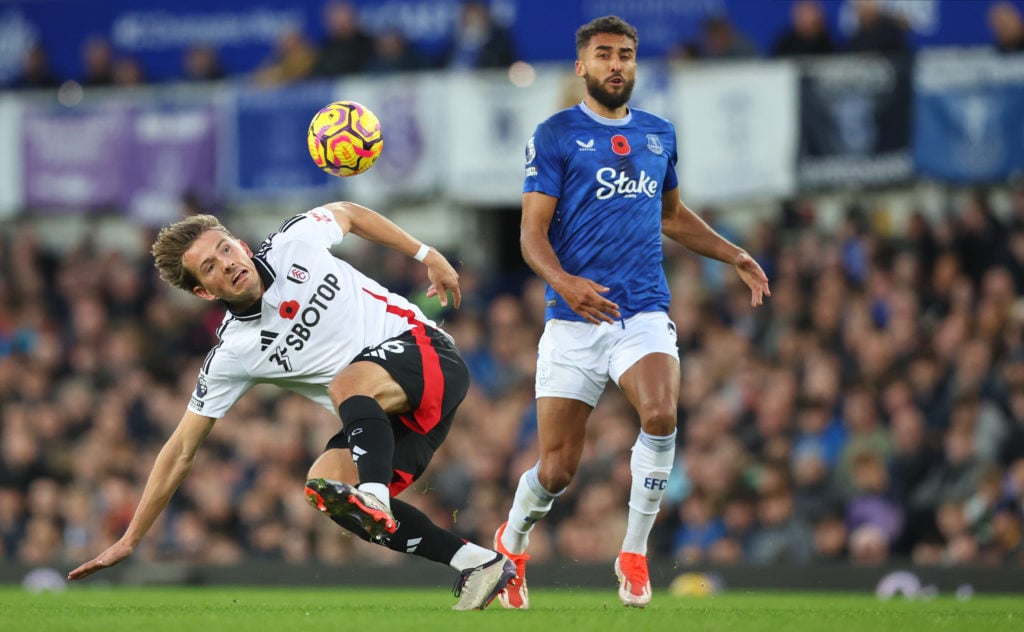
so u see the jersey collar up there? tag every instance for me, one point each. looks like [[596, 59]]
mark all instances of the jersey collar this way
[[267, 276], [607, 121]]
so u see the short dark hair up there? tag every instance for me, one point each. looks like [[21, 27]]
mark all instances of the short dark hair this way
[[608, 24], [172, 242]]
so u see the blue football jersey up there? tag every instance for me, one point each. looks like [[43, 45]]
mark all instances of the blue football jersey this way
[[608, 176]]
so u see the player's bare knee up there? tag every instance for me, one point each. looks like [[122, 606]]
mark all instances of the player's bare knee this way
[[555, 478], [660, 424]]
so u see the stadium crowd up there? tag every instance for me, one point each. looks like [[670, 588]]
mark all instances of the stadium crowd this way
[[872, 410]]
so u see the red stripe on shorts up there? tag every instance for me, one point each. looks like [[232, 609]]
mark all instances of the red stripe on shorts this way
[[399, 482], [428, 413]]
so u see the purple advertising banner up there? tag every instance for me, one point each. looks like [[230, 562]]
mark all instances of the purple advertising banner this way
[[173, 153], [74, 159]]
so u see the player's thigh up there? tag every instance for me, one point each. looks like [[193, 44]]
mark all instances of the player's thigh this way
[[372, 380], [572, 361], [645, 365]]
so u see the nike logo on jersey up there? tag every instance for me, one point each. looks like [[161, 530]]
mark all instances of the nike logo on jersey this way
[[586, 146], [614, 182]]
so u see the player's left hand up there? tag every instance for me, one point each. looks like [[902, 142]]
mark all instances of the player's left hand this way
[[754, 277], [443, 279], [117, 552]]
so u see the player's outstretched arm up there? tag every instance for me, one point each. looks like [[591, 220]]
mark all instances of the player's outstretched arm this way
[[172, 465], [582, 295], [681, 224], [374, 227]]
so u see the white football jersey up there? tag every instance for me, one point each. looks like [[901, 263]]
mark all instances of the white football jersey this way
[[317, 314]]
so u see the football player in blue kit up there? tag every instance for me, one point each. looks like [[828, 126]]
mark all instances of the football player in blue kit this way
[[600, 191]]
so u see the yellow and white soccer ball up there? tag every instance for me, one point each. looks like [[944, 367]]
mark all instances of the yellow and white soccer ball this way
[[345, 138]]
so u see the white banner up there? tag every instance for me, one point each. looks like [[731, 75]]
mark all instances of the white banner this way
[[490, 122], [737, 126], [11, 198], [411, 112]]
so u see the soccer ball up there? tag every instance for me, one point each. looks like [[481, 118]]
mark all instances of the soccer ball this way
[[345, 138]]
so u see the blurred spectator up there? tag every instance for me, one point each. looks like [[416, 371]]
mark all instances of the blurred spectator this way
[[393, 53], [682, 52], [699, 532], [956, 477], [97, 62], [912, 456], [202, 63], [980, 236], [128, 72], [739, 518], [292, 60], [1004, 19], [35, 70], [873, 517], [478, 41], [1007, 534], [721, 40], [347, 48], [808, 32], [781, 537], [1013, 448], [877, 31], [864, 433], [830, 538]]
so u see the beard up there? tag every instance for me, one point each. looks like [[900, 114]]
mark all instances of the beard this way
[[610, 100]]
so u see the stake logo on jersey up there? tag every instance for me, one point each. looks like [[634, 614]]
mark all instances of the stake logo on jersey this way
[[609, 177], [618, 182]]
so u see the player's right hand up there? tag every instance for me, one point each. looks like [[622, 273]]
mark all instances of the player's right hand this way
[[584, 298], [117, 552]]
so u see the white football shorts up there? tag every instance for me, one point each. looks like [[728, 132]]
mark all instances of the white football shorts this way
[[575, 359]]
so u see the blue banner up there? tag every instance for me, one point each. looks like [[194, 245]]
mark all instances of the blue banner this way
[[854, 121], [271, 155], [969, 117], [158, 32]]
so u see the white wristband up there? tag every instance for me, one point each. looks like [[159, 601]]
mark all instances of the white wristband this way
[[421, 254]]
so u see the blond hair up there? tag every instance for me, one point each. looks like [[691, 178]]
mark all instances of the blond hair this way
[[173, 241]]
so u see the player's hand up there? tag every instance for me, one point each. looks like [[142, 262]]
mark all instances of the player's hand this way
[[584, 298], [443, 279], [754, 277], [117, 552]]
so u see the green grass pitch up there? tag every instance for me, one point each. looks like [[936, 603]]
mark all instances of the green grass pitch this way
[[112, 609]]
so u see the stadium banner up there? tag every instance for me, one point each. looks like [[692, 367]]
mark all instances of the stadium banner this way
[[490, 121], [737, 130], [969, 116], [854, 122], [158, 32], [269, 154], [10, 158], [76, 159], [416, 143], [175, 153]]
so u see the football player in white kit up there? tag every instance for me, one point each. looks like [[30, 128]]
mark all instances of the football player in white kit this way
[[302, 319]]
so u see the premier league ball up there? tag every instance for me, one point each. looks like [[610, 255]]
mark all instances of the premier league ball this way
[[345, 138]]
